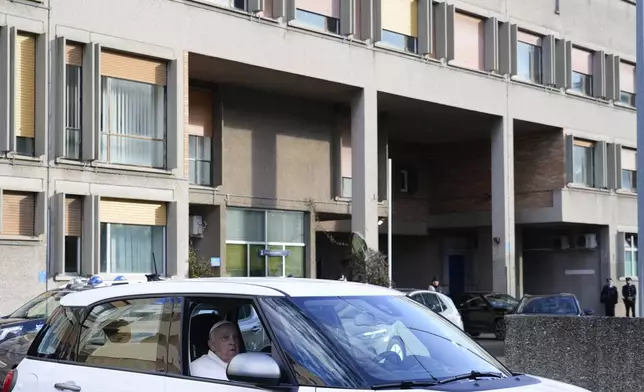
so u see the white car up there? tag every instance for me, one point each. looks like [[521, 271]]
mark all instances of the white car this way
[[438, 302], [143, 337]]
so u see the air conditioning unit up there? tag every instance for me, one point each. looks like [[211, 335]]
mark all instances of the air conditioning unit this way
[[561, 242], [586, 241], [196, 226]]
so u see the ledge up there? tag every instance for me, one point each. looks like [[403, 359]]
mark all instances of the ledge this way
[[20, 239]]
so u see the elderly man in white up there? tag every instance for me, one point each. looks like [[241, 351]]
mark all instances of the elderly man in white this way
[[224, 343]]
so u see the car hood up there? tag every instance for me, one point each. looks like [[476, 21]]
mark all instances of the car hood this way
[[5, 322], [527, 383]]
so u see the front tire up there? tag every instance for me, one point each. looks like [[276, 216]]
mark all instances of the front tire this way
[[499, 329]]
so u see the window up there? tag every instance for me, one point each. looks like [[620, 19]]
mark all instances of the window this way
[[73, 229], [53, 341], [400, 41], [25, 99], [317, 21], [133, 127], [18, 213], [529, 57], [432, 302], [630, 255], [627, 83], [73, 112], [582, 71], [629, 169], [132, 248], [200, 160], [73, 100], [127, 334], [347, 189], [404, 181], [583, 163], [265, 243], [469, 48], [239, 4], [254, 334]]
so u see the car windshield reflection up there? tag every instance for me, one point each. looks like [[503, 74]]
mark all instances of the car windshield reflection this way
[[387, 339]]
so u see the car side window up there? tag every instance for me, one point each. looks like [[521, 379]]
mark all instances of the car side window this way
[[418, 298], [52, 341], [443, 306], [127, 334], [431, 301], [475, 303], [253, 332]]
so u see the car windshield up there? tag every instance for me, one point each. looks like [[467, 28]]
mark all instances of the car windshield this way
[[555, 304], [40, 307], [384, 339], [501, 301]]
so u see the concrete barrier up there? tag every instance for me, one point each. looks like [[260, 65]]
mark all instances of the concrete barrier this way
[[602, 354]]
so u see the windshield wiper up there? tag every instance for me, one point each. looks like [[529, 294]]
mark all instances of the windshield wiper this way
[[473, 375], [405, 384]]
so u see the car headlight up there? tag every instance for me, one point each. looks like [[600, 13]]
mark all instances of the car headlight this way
[[4, 332]]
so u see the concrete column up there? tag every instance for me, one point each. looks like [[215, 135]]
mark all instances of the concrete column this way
[[310, 270], [364, 162], [503, 253], [518, 240], [177, 237]]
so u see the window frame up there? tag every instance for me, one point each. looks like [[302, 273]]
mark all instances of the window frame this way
[[587, 145], [588, 84], [105, 122], [197, 160], [314, 27], [536, 75], [411, 42], [79, 247], [185, 301], [79, 103], [108, 249], [633, 250]]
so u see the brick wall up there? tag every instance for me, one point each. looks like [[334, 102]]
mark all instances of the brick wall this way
[[539, 168], [456, 177]]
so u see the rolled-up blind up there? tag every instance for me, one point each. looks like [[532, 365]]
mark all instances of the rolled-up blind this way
[[582, 61], [18, 213], [323, 7], [629, 159], [138, 69], [400, 16], [132, 212], [73, 211], [200, 116], [627, 77], [25, 85], [74, 54]]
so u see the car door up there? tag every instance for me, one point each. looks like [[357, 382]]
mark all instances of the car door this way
[[477, 311], [180, 361], [116, 346]]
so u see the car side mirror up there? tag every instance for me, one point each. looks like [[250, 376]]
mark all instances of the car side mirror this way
[[588, 312], [257, 369]]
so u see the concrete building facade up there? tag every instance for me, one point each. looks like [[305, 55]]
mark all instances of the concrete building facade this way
[[258, 133]]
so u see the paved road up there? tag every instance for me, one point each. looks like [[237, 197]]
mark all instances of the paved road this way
[[493, 346]]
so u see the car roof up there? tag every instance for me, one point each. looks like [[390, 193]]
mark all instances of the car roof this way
[[549, 295], [274, 287]]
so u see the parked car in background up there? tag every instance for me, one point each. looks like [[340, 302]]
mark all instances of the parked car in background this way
[[483, 312], [13, 350], [551, 304], [439, 303]]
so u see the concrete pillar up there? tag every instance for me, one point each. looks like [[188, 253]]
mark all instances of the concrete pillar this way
[[503, 259], [518, 240], [177, 237], [364, 162]]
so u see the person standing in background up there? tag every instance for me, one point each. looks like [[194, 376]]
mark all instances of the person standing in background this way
[[609, 297], [629, 292], [435, 285]]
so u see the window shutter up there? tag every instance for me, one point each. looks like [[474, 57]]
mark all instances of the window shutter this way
[[7, 35], [425, 26], [491, 48], [569, 159], [618, 166], [548, 60], [134, 68], [600, 165], [18, 213], [58, 232], [375, 23], [255, 5], [25, 80], [599, 74], [621, 238], [132, 212], [347, 17], [61, 95], [611, 171], [445, 31], [508, 49], [563, 62], [617, 75], [90, 101], [609, 65], [290, 10]]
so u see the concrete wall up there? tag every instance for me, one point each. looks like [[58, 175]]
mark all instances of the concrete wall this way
[[548, 270], [601, 354]]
